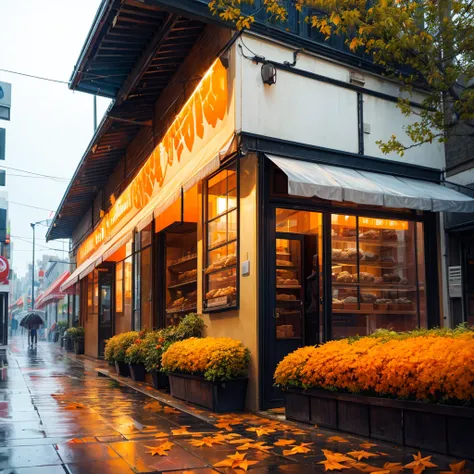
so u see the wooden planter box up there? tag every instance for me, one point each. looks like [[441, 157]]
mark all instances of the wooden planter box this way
[[218, 397], [160, 380], [440, 428], [137, 371], [122, 369], [79, 346]]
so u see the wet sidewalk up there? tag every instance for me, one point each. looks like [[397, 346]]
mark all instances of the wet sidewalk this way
[[58, 416]]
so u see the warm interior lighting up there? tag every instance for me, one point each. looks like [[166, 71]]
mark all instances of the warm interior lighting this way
[[221, 205]]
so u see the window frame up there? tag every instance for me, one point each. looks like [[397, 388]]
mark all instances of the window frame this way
[[235, 164]]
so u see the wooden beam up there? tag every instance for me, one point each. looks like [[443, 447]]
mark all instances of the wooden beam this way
[[146, 58]]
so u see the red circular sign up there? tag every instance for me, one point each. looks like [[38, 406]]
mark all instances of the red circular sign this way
[[4, 269]]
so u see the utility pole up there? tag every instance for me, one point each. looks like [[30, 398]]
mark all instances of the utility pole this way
[[46, 222], [33, 270]]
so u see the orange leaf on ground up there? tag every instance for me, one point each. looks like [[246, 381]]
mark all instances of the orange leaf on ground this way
[[457, 468], [367, 445], [420, 463], [171, 410], [262, 430], [207, 441], [183, 431], [285, 442], [236, 461], [223, 426], [359, 455], [153, 406], [333, 466], [337, 439], [259, 446], [393, 467], [337, 457], [241, 441], [364, 467], [296, 450], [162, 435], [156, 450]]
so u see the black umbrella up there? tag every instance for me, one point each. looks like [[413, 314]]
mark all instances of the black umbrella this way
[[31, 318]]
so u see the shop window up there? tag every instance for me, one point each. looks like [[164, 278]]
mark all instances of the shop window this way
[[95, 305], [119, 287], [90, 296], [221, 238], [127, 277], [377, 275], [181, 273], [142, 288]]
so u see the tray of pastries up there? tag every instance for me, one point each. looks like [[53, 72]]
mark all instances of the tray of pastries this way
[[283, 263], [218, 292], [223, 262], [188, 275], [219, 241], [287, 282], [285, 297], [285, 330], [370, 235]]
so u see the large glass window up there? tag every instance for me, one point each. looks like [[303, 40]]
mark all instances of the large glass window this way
[[181, 273], [119, 287], [127, 277], [142, 292], [377, 275], [222, 224]]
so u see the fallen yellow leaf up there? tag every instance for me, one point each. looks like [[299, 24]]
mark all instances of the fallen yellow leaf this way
[[359, 455], [367, 445], [337, 439], [284, 442], [420, 463], [337, 457], [457, 468], [333, 466]]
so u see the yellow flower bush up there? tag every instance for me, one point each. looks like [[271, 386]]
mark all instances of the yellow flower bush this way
[[216, 358], [431, 367], [116, 346]]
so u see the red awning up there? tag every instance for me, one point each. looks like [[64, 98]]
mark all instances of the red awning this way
[[53, 292], [18, 302]]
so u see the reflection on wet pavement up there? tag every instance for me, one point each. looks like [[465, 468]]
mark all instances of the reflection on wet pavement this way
[[57, 416]]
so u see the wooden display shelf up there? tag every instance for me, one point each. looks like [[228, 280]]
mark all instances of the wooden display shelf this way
[[287, 267], [172, 266], [221, 244], [180, 310], [374, 311], [379, 242], [289, 302], [283, 254], [180, 285], [365, 263], [222, 269], [375, 286], [288, 287]]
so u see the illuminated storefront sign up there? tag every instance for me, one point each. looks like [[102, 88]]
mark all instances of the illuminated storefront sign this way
[[203, 115]]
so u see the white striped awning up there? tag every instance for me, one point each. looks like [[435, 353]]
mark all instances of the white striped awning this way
[[308, 179]]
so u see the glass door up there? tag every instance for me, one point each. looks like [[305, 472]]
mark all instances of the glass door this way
[[106, 307], [295, 310]]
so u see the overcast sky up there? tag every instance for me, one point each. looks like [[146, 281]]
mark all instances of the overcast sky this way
[[50, 125]]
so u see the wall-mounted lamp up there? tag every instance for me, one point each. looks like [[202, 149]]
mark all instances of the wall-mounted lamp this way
[[269, 73]]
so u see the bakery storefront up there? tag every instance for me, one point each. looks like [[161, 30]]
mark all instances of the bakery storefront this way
[[272, 249]]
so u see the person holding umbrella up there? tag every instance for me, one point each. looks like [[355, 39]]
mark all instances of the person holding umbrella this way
[[32, 321]]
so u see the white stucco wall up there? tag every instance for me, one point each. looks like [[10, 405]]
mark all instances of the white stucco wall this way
[[312, 112]]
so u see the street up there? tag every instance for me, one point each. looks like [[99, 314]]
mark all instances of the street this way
[[58, 415]]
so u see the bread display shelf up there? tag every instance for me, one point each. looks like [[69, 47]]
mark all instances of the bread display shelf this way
[[375, 286], [378, 242], [181, 284], [284, 254], [221, 244], [221, 269], [287, 267], [181, 309], [288, 287], [181, 262], [365, 263], [374, 311], [285, 303]]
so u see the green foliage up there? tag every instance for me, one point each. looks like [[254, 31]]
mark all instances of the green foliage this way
[[61, 327], [75, 333], [424, 45]]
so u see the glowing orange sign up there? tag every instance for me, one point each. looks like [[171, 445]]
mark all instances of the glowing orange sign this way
[[192, 128]]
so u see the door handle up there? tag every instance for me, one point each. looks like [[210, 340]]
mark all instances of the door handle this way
[[276, 315]]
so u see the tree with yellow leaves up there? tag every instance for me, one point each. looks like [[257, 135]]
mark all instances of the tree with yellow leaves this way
[[423, 44]]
